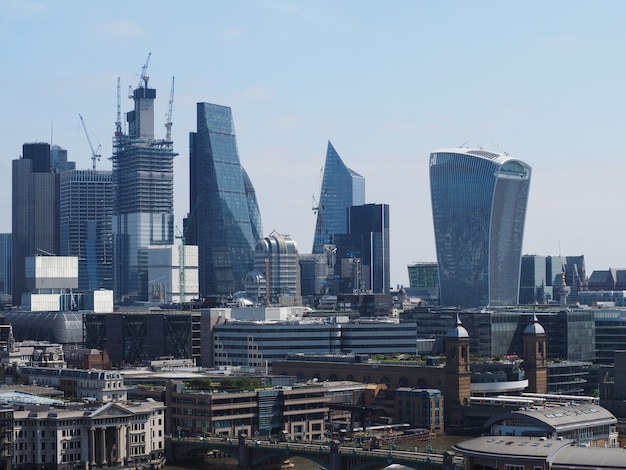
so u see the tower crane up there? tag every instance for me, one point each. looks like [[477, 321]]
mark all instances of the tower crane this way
[[168, 116], [118, 123], [95, 156], [182, 234], [181, 281], [144, 78]]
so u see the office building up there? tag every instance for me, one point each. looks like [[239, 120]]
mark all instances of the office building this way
[[540, 279], [275, 279], [499, 332], [314, 270], [86, 211], [258, 344], [65, 328], [424, 275], [364, 250], [35, 211], [298, 411], [143, 210], [5, 264], [135, 336], [224, 218], [173, 273], [341, 188], [479, 203]]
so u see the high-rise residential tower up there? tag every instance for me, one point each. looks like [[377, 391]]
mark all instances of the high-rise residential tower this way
[[143, 185], [86, 213], [341, 188], [479, 201], [35, 211], [224, 218]]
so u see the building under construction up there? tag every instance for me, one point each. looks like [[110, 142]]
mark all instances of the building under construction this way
[[132, 337], [143, 184]]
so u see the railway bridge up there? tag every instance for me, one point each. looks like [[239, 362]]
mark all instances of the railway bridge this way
[[265, 455]]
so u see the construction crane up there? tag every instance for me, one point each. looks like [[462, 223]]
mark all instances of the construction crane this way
[[144, 78], [118, 122], [181, 280], [95, 156], [183, 243], [168, 116]]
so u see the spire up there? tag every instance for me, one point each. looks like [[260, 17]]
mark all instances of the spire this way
[[458, 331], [534, 328]]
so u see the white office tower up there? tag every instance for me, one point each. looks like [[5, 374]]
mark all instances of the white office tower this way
[[172, 274]]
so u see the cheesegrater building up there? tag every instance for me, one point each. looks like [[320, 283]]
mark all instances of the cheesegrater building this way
[[143, 185], [479, 201]]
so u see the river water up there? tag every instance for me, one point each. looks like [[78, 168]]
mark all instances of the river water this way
[[231, 464]]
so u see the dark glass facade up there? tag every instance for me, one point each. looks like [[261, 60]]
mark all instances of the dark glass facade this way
[[479, 203], [423, 275], [35, 211], [225, 213], [571, 335], [341, 188], [5, 263], [367, 241], [540, 279], [86, 214]]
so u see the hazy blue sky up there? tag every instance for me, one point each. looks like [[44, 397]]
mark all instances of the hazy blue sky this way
[[387, 82]]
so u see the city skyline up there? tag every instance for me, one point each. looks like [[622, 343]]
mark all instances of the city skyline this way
[[539, 81]]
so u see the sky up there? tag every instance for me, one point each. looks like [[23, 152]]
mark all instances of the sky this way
[[387, 82]]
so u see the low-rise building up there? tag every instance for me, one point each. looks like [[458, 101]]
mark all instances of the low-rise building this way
[[98, 385], [297, 411], [108, 436]]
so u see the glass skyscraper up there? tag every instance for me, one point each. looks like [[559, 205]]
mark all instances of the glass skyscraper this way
[[35, 211], [143, 184], [341, 188], [479, 201], [224, 218], [367, 246], [86, 212]]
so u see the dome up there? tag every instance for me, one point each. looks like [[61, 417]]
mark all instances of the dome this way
[[534, 328], [458, 331]]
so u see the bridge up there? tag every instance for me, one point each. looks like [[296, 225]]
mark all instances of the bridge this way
[[257, 454]]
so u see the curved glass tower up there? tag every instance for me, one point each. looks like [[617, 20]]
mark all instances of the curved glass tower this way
[[225, 213], [341, 188], [479, 201]]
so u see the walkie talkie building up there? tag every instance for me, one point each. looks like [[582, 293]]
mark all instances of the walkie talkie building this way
[[479, 201]]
